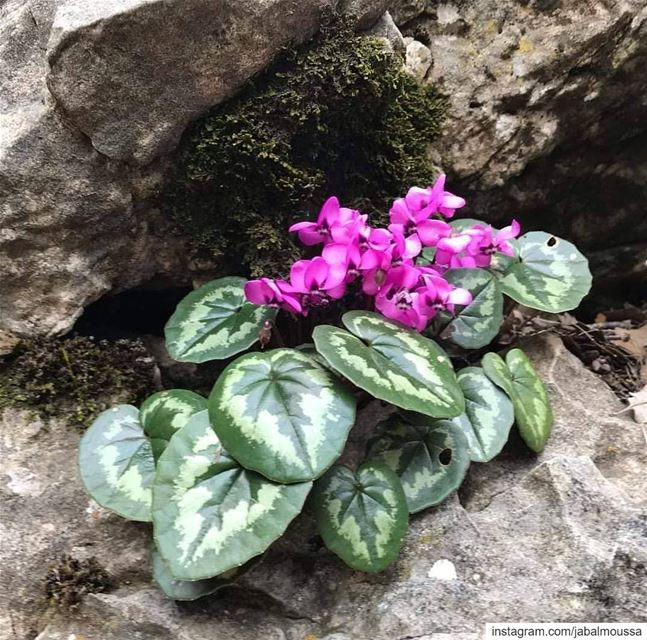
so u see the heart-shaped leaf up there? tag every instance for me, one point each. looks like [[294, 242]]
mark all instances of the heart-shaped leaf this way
[[552, 275], [392, 363], [215, 322], [430, 457], [166, 412], [362, 516], [116, 463], [192, 589], [282, 414], [532, 408], [488, 414], [477, 324], [210, 514]]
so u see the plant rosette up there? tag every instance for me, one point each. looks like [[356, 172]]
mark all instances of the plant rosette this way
[[222, 478]]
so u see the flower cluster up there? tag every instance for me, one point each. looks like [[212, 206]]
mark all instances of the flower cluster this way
[[383, 261]]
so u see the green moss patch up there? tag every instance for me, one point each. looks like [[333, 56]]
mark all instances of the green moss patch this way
[[75, 377], [338, 116]]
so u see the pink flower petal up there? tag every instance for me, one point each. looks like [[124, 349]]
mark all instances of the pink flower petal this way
[[459, 296], [329, 211], [316, 273], [256, 291], [297, 275], [455, 244]]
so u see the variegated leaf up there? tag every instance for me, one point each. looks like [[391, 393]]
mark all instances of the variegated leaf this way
[[552, 275], [532, 409], [282, 414], [166, 412], [461, 224], [116, 463], [193, 589], [362, 516], [392, 363], [475, 325], [488, 414], [430, 457], [215, 322], [211, 515]]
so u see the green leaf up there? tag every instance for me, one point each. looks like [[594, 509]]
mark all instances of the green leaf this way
[[392, 363], [532, 408], [215, 322], [478, 323], [431, 457], [210, 514], [282, 414], [552, 274], [192, 589], [362, 516], [116, 463], [166, 412], [488, 414], [461, 224]]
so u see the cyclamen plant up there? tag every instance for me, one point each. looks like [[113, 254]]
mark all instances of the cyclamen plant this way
[[222, 478]]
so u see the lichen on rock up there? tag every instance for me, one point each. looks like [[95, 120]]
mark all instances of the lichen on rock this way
[[336, 116], [76, 377]]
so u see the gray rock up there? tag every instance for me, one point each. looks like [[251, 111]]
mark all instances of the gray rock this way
[[547, 117], [386, 29], [556, 537], [76, 221], [418, 60], [131, 74], [404, 11], [366, 12]]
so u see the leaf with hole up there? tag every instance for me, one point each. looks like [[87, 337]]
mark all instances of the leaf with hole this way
[[488, 414], [282, 414], [475, 325], [116, 463], [211, 515], [552, 275], [166, 412], [215, 322], [362, 516], [193, 589], [532, 409], [392, 363], [430, 457]]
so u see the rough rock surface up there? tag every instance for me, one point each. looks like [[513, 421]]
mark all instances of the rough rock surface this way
[[126, 76], [548, 114], [559, 537]]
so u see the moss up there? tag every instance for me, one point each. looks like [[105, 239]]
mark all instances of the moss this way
[[336, 116], [69, 580], [75, 377]]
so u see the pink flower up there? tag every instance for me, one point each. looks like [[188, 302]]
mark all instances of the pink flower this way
[[273, 293], [333, 220], [318, 281], [438, 295], [398, 298], [347, 255]]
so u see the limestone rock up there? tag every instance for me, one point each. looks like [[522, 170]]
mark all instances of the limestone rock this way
[[131, 74], [367, 12], [556, 537], [547, 117], [386, 29], [91, 86], [404, 11], [418, 59]]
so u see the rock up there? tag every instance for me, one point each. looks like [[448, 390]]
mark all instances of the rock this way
[[556, 537], [118, 81], [44, 512], [547, 117], [418, 60], [404, 11], [167, 62], [385, 29], [366, 12]]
